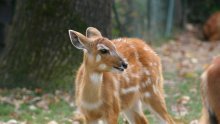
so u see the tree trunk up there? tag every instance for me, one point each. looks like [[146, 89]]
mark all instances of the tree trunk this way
[[157, 18], [38, 51]]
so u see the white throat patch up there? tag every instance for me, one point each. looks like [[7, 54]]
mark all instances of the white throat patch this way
[[96, 78]]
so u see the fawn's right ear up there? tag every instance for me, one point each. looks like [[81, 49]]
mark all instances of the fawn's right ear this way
[[77, 39]]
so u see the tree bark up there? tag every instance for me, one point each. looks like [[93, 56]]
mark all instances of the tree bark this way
[[157, 18], [38, 50]]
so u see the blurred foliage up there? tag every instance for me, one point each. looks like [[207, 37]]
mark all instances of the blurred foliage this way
[[198, 11]]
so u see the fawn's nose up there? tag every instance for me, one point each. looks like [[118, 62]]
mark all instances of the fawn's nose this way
[[124, 65]]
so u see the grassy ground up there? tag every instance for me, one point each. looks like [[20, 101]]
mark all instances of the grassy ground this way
[[58, 107], [183, 98]]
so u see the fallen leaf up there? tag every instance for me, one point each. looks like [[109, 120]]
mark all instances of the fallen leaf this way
[[52, 122], [12, 121], [194, 122], [183, 100]]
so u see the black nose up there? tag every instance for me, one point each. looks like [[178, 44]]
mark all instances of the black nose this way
[[124, 65]]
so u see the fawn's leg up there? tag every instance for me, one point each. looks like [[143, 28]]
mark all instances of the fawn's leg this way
[[135, 115], [111, 119], [79, 118], [156, 104]]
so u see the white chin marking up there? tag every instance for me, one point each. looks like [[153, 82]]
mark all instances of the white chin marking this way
[[102, 66], [115, 70]]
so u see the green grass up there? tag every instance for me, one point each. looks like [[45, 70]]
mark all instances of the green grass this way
[[184, 87], [61, 111]]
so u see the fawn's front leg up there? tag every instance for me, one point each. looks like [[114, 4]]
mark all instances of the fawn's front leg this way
[[112, 119], [79, 118]]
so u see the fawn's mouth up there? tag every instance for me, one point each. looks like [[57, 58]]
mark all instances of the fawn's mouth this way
[[119, 68]]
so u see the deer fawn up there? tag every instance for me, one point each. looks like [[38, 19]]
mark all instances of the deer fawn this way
[[210, 90], [121, 75]]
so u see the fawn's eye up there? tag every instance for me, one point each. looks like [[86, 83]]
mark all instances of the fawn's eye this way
[[104, 51]]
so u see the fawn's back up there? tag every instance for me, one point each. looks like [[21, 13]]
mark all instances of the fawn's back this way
[[142, 78]]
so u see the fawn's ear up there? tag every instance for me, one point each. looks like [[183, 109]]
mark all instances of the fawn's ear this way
[[78, 40], [92, 32]]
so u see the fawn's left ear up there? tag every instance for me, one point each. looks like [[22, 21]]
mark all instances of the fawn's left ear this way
[[92, 32], [78, 40]]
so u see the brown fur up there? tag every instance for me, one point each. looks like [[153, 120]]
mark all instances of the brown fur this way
[[212, 27], [210, 89], [122, 92]]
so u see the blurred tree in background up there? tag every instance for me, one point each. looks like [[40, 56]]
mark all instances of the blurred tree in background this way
[[38, 50], [155, 19]]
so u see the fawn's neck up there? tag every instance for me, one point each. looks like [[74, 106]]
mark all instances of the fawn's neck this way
[[92, 86]]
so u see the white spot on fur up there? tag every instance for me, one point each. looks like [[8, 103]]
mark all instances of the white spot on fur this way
[[155, 89], [147, 72], [91, 106], [147, 95], [96, 78], [134, 51], [146, 49], [102, 66], [155, 64], [98, 58], [129, 90], [161, 120], [146, 83], [150, 63], [135, 75]]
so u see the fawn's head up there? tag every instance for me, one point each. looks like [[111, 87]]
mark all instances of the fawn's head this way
[[100, 53]]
